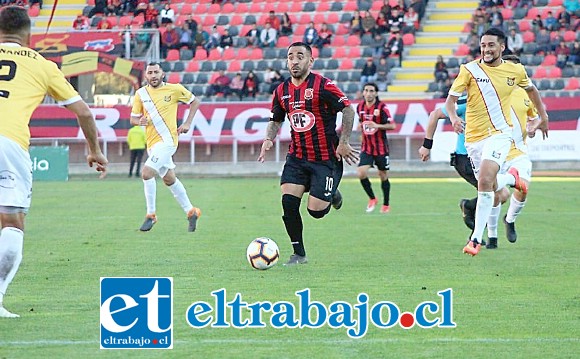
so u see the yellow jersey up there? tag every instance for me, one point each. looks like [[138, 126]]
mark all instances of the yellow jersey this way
[[159, 105], [136, 138], [25, 78], [523, 109], [488, 96]]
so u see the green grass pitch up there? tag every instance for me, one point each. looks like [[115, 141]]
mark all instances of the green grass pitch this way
[[519, 301]]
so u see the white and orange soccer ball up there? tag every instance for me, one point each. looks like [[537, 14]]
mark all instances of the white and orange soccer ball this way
[[263, 253]]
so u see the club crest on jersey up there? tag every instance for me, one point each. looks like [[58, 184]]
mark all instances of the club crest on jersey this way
[[308, 94], [367, 130], [167, 98], [527, 102], [511, 81], [376, 112], [301, 120]]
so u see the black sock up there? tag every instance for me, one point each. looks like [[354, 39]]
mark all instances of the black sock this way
[[471, 204], [366, 183], [293, 222], [386, 186]]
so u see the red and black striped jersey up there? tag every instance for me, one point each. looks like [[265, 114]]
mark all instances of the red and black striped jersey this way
[[374, 141], [311, 109]]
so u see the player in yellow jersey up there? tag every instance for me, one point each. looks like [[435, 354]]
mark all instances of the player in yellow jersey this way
[[489, 83], [523, 114], [25, 78], [155, 107]]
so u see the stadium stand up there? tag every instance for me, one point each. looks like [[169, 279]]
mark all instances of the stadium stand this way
[[442, 28]]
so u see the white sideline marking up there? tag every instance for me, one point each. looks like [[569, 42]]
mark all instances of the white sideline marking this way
[[315, 341]]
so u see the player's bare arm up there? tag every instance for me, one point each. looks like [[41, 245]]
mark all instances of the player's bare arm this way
[[425, 149], [455, 120], [271, 133], [344, 149], [543, 124], [138, 120], [89, 128], [186, 125]]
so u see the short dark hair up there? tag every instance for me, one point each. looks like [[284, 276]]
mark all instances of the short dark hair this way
[[513, 58], [374, 85], [14, 20], [494, 31], [153, 63], [303, 44]]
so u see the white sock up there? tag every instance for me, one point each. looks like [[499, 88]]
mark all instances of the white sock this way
[[505, 179], [150, 187], [492, 221], [514, 209], [180, 195], [11, 241], [482, 212]]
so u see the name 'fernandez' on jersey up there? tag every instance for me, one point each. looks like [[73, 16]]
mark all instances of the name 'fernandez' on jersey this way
[[311, 109]]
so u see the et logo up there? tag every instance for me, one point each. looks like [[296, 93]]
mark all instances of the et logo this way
[[136, 313]]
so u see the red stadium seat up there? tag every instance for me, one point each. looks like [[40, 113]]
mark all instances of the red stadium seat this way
[[214, 9], [341, 29], [555, 73], [229, 54], [243, 53], [125, 20], [323, 6], [283, 41], [296, 6], [283, 7], [540, 73], [462, 50], [174, 78], [346, 64], [235, 66], [214, 54], [408, 39], [332, 18], [569, 36], [186, 9], [304, 19], [377, 5], [192, 66], [529, 36], [338, 41], [237, 20], [228, 8], [242, 8], [555, 3], [256, 54], [532, 13], [549, 60], [208, 20], [572, 84], [339, 52], [172, 55], [34, 10], [507, 13], [200, 54], [315, 52], [525, 26], [256, 8], [353, 40], [319, 18], [300, 29], [350, 6], [354, 52]]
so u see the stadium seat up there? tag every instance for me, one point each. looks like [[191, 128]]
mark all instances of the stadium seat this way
[[336, 6], [262, 65], [278, 64], [345, 64], [353, 40], [249, 20], [350, 6], [333, 64], [332, 18], [452, 63], [368, 51], [192, 66], [544, 84], [537, 60], [319, 65], [462, 50], [296, 6], [520, 13], [229, 54], [540, 72], [201, 78], [343, 76], [355, 75], [568, 72], [207, 66], [242, 8], [237, 20], [309, 7], [338, 41], [234, 66], [200, 54], [326, 52], [555, 3], [530, 48], [318, 18], [187, 78], [352, 87], [165, 66], [174, 78], [507, 13], [558, 84], [178, 66], [408, 39], [340, 52], [283, 7], [525, 26], [549, 94], [221, 65], [555, 73], [572, 84], [256, 54], [331, 75], [223, 20], [315, 52], [228, 8], [125, 20], [185, 54], [323, 7], [172, 55], [549, 60], [528, 36], [532, 13], [256, 8], [569, 36], [186, 9], [248, 66], [283, 41], [366, 40], [214, 54], [304, 19], [433, 87], [208, 20]]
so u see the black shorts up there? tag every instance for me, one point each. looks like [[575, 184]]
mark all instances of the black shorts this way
[[463, 166], [367, 159], [321, 178]]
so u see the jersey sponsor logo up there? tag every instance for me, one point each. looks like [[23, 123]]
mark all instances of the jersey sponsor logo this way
[[136, 313], [308, 94], [367, 129], [478, 79], [285, 97], [511, 81], [301, 120]]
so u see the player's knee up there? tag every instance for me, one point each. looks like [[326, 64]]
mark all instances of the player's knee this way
[[319, 214], [290, 204]]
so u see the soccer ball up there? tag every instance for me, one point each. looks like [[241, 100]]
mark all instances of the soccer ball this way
[[262, 253]]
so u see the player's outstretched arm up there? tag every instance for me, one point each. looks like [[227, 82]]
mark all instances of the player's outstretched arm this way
[[271, 133], [185, 126], [89, 128], [425, 149], [344, 149]]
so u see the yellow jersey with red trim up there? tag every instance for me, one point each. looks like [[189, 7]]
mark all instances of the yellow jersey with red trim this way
[[523, 110], [488, 96], [159, 105], [25, 78]]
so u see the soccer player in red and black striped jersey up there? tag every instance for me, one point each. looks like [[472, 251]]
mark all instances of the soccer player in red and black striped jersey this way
[[374, 121], [314, 161]]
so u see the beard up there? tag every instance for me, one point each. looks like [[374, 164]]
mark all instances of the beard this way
[[494, 59]]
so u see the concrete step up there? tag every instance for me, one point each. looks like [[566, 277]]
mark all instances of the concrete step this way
[[419, 87], [389, 95], [453, 5], [446, 16], [438, 40], [414, 75], [430, 51], [457, 28], [74, 10]]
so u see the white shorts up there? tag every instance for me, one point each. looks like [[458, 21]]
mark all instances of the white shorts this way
[[522, 164], [494, 148], [161, 158], [15, 177]]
